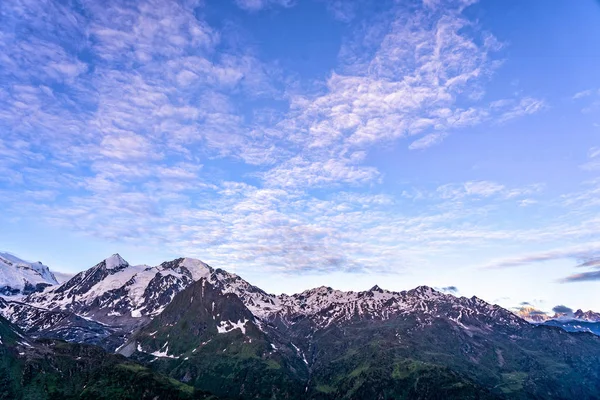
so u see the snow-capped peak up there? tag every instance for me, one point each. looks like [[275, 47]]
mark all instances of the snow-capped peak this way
[[21, 277], [113, 288], [197, 268], [115, 261], [531, 314], [425, 292], [589, 316]]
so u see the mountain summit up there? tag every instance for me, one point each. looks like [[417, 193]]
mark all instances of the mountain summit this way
[[19, 277], [115, 262]]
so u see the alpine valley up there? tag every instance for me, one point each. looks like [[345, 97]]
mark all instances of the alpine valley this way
[[184, 330]]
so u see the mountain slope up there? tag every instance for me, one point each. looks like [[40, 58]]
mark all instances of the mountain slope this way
[[19, 277], [327, 344], [350, 337], [211, 339], [516, 362], [575, 325], [579, 321], [37, 370]]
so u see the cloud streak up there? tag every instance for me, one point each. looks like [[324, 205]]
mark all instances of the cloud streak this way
[[583, 277], [576, 252]]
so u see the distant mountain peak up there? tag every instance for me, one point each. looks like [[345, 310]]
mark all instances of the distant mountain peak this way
[[424, 288], [197, 268], [322, 289], [425, 292], [589, 315], [115, 261], [531, 314], [19, 277]]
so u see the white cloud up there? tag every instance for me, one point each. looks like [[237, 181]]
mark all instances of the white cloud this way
[[526, 106], [342, 10], [300, 173], [527, 202], [472, 188], [126, 146], [582, 94], [427, 141], [594, 163], [255, 5]]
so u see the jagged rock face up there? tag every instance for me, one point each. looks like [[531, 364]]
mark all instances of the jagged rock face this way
[[324, 306], [19, 277], [66, 325], [196, 316], [588, 316], [113, 290]]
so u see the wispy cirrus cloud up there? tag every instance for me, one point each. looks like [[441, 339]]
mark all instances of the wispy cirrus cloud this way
[[525, 106], [427, 141], [583, 94], [585, 254], [589, 97], [591, 276], [594, 160], [589, 262], [256, 5]]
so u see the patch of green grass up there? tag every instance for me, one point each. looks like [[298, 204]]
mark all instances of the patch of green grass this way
[[325, 389], [359, 370], [133, 367], [513, 381], [272, 364], [407, 368]]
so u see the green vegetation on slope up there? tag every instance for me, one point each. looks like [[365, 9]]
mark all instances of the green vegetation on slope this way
[[49, 369]]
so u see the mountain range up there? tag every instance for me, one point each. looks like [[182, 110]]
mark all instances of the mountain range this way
[[184, 328], [578, 321]]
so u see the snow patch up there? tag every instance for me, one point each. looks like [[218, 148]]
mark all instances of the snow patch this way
[[301, 353], [137, 313], [163, 354], [228, 326]]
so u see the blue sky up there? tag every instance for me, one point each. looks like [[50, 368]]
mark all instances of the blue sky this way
[[309, 142]]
